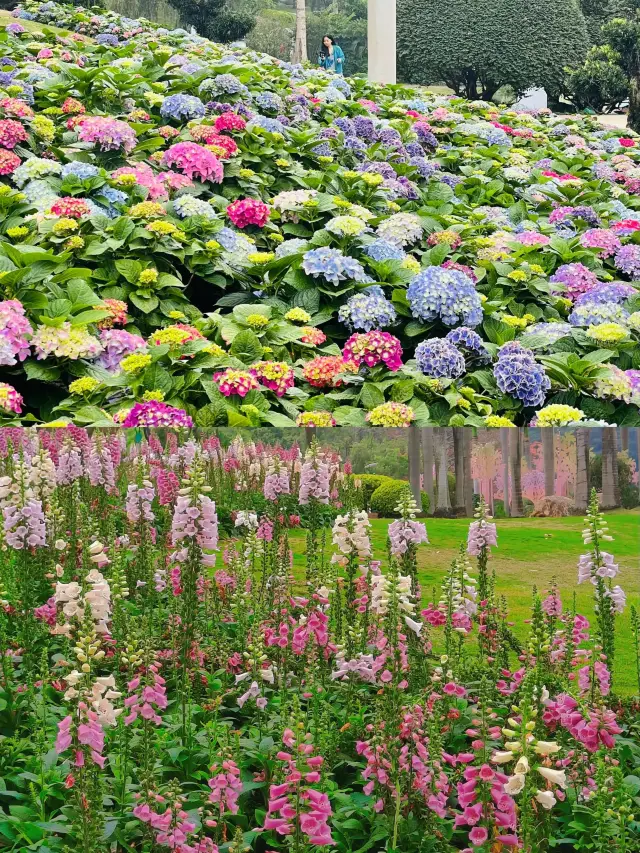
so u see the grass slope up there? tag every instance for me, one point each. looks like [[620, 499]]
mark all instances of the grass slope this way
[[532, 552], [32, 26]]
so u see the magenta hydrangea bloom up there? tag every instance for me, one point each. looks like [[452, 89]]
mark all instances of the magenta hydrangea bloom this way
[[10, 400], [248, 211], [108, 133], [238, 382], [156, 414], [194, 161], [374, 348], [603, 239], [11, 133], [575, 278]]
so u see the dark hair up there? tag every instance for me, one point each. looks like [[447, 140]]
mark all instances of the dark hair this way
[[323, 48]]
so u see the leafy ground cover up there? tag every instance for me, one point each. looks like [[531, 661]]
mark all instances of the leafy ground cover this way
[[193, 232], [167, 683]]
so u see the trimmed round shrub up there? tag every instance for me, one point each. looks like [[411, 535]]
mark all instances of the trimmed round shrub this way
[[386, 498], [369, 483], [477, 46]]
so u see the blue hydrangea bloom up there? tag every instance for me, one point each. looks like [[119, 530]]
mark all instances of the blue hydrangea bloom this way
[[447, 295], [189, 205], [592, 314], [333, 266], [551, 331], [272, 125], [80, 170], [605, 293], [341, 84], [108, 39], [368, 310], [227, 238], [113, 195], [467, 339], [518, 374], [383, 250], [296, 246], [439, 359], [269, 102], [182, 108]]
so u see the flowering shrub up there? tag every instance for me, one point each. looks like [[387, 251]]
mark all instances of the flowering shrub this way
[[204, 186], [172, 672]]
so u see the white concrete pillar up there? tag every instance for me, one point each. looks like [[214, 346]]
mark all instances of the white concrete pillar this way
[[382, 41]]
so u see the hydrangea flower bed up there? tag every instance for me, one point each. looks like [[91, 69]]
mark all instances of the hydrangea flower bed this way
[[192, 233], [167, 684]]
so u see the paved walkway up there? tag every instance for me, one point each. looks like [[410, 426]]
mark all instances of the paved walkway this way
[[614, 120]]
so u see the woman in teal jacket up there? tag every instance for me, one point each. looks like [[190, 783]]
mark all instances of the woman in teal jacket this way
[[331, 56]]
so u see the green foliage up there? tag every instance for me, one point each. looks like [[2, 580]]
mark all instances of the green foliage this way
[[387, 496], [629, 496], [477, 46], [625, 472], [273, 33], [212, 19], [600, 83]]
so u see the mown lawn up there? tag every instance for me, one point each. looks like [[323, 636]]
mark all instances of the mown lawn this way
[[532, 552], [32, 26]]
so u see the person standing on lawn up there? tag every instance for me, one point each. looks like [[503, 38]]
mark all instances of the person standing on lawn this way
[[331, 56]]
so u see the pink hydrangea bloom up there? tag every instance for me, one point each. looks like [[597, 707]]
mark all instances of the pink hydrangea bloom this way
[[194, 161], [248, 211]]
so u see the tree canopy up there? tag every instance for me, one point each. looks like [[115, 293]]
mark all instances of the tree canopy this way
[[213, 19], [478, 46]]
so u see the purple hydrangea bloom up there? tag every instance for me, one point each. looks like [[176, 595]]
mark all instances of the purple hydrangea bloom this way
[[439, 359], [519, 375], [467, 339], [627, 259], [346, 126], [117, 344], [575, 278], [365, 128], [383, 169], [182, 108], [425, 167], [445, 294]]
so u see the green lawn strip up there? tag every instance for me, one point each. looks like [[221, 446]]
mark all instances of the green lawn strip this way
[[531, 552], [33, 26]]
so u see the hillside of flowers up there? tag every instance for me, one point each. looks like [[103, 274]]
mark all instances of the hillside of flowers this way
[[171, 679], [197, 234]]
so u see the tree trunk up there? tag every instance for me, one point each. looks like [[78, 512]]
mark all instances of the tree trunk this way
[[633, 118], [581, 497], [414, 465], [427, 466], [504, 444], [309, 435], [549, 461], [468, 479], [515, 458], [444, 501], [458, 462], [624, 438], [610, 487], [300, 47]]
